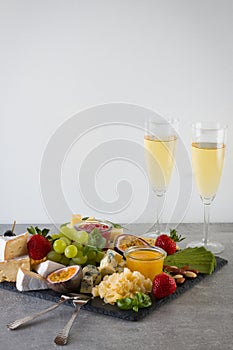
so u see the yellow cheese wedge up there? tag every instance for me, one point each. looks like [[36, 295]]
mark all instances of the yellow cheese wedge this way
[[9, 269], [75, 218], [12, 247]]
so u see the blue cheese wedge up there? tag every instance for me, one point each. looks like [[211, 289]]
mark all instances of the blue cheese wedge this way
[[12, 247], [28, 280], [46, 267], [9, 269], [109, 263], [91, 277]]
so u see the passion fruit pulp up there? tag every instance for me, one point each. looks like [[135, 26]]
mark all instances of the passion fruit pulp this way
[[126, 241], [66, 279]]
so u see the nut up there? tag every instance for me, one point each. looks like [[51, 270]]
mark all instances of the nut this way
[[173, 269], [180, 280], [194, 270], [190, 274], [178, 276]]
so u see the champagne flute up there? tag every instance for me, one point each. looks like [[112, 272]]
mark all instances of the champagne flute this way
[[208, 153], [160, 145]]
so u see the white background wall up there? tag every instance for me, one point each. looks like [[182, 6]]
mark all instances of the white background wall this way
[[60, 57]]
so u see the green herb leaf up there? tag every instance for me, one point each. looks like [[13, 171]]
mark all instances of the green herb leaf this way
[[116, 225], [65, 224], [124, 303], [95, 239], [140, 300]]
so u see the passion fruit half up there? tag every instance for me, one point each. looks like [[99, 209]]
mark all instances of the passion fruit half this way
[[66, 279], [125, 241]]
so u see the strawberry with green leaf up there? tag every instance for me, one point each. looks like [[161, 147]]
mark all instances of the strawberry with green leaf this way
[[168, 243], [38, 244]]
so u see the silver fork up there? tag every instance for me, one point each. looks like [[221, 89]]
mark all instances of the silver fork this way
[[21, 321], [62, 337]]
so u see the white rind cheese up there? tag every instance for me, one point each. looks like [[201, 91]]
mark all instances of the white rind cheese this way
[[12, 247], [46, 267], [28, 280], [9, 269]]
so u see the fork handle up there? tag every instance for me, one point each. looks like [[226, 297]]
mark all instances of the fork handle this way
[[62, 337], [17, 323]]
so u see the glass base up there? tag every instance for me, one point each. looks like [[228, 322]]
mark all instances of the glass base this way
[[151, 234], [156, 233], [214, 247]]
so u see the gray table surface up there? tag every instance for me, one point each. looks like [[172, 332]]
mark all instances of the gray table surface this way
[[201, 318]]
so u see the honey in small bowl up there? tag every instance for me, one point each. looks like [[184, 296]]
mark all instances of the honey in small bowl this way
[[147, 260]]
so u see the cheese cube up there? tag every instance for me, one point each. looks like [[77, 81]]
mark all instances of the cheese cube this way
[[9, 269], [108, 265], [91, 277], [12, 247]]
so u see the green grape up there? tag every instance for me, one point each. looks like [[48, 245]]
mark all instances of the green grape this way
[[91, 262], [79, 254], [91, 255], [70, 251], [53, 256], [55, 236], [78, 245], [82, 237], [66, 240], [79, 260], [59, 246], [74, 235], [99, 256], [64, 260]]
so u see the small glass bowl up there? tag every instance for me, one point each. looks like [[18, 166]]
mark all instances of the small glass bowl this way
[[147, 260], [103, 226]]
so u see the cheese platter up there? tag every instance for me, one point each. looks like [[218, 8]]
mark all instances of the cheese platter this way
[[127, 276], [98, 306]]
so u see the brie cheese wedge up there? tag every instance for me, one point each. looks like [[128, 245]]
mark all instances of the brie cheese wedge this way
[[28, 280], [46, 267]]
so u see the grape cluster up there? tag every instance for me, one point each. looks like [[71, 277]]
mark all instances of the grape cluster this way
[[69, 247]]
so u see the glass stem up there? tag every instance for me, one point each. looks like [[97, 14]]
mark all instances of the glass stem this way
[[206, 223], [159, 213]]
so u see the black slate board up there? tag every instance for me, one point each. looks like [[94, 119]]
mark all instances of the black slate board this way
[[98, 306]]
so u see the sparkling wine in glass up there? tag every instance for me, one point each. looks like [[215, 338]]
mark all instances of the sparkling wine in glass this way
[[208, 153], [160, 145]]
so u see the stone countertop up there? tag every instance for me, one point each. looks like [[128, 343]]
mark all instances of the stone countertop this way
[[201, 318]]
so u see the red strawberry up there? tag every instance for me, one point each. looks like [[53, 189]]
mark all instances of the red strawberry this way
[[166, 243], [38, 247], [163, 285]]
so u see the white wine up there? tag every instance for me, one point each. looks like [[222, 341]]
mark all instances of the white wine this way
[[160, 156], [208, 159]]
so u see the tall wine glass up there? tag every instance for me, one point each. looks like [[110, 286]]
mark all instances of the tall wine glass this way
[[208, 152], [160, 145]]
